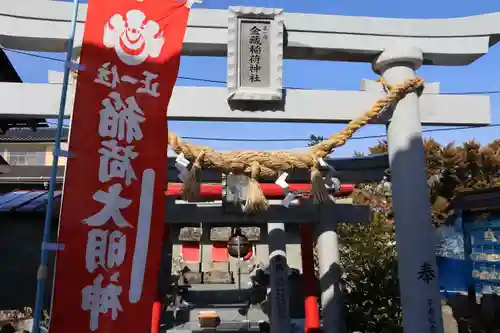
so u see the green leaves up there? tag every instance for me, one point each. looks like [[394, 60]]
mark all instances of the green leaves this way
[[368, 253], [368, 258]]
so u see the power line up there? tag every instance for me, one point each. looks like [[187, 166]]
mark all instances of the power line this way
[[309, 139], [62, 61], [203, 80], [31, 54], [484, 92], [431, 130]]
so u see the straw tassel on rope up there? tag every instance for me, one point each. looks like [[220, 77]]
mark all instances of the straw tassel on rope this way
[[268, 164], [191, 187], [256, 200], [319, 192]]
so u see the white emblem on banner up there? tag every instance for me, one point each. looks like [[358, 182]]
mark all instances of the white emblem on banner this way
[[134, 38]]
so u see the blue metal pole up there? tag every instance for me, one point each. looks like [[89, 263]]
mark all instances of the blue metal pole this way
[[42, 269]]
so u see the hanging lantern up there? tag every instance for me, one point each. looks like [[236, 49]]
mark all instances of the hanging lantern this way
[[238, 245]]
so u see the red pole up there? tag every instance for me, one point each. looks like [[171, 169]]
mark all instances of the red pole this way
[[158, 303], [156, 317], [214, 191], [312, 321]]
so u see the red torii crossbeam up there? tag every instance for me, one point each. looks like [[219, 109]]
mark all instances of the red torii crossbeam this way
[[271, 191]]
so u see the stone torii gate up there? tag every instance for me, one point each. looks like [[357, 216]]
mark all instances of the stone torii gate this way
[[396, 48]]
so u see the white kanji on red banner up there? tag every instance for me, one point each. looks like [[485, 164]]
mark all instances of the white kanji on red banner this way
[[108, 75], [121, 119], [105, 249], [99, 299], [115, 162], [113, 204]]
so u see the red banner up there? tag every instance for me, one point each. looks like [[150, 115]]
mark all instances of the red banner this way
[[113, 207]]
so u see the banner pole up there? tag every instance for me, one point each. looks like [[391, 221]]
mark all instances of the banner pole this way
[[42, 269]]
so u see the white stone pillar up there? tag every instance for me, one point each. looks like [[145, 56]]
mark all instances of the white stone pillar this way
[[278, 270], [330, 275], [419, 286]]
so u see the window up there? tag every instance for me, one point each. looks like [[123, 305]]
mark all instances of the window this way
[[26, 158]]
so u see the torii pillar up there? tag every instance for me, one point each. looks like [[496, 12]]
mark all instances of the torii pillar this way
[[419, 286]]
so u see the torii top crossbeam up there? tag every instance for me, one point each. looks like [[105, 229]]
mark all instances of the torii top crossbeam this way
[[43, 26]]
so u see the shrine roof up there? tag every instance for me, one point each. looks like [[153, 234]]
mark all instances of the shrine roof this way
[[30, 174], [26, 201], [482, 199], [17, 135]]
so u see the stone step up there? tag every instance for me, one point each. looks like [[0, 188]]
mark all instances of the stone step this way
[[225, 326], [207, 294], [226, 314], [223, 295]]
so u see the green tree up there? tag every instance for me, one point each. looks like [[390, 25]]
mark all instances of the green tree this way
[[451, 168], [368, 253], [368, 259]]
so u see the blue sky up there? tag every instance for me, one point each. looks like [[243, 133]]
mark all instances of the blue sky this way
[[483, 75]]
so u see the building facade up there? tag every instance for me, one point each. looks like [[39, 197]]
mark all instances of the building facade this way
[[25, 147]]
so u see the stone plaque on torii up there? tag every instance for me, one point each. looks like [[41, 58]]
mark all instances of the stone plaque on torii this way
[[396, 47], [255, 54]]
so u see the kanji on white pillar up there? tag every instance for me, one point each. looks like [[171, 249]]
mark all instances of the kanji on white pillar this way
[[419, 286]]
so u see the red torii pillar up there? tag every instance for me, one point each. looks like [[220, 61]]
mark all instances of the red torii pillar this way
[[311, 310]]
